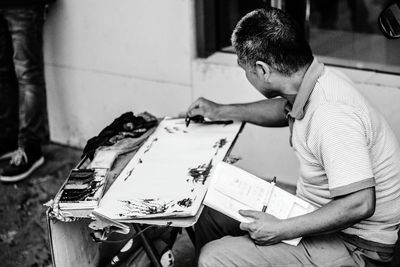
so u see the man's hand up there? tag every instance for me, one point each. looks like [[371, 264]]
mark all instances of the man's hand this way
[[205, 108], [264, 230], [337, 215]]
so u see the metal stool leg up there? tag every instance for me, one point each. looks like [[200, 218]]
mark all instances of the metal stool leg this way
[[191, 235], [148, 246]]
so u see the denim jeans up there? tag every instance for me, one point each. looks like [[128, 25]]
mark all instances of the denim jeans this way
[[23, 111]]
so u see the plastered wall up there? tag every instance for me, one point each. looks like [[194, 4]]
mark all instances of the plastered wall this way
[[106, 57]]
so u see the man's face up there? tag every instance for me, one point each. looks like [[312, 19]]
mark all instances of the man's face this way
[[257, 79]]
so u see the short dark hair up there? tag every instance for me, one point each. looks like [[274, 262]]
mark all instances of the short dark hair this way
[[271, 36]]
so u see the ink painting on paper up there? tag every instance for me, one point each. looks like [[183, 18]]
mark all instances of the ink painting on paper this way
[[168, 176]]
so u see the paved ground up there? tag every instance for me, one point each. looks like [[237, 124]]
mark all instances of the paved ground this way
[[23, 228]]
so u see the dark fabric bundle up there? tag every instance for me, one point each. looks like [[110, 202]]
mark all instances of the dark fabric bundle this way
[[133, 126]]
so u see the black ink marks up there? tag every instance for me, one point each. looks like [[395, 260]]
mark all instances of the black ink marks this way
[[201, 173], [129, 174], [186, 202], [148, 200], [145, 206], [232, 159], [219, 144], [156, 209], [172, 130], [150, 145], [168, 130]]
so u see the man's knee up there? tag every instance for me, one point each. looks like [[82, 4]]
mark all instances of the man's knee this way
[[227, 251], [209, 255]]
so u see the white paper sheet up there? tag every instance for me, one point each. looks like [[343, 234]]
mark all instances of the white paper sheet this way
[[164, 178], [232, 189]]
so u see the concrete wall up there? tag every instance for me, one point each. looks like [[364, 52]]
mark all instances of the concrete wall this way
[[106, 57]]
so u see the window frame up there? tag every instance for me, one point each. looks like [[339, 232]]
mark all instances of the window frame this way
[[207, 36]]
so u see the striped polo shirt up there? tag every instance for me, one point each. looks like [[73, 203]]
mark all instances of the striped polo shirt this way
[[344, 145]]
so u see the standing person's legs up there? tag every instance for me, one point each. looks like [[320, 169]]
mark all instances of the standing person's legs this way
[[26, 28], [8, 93]]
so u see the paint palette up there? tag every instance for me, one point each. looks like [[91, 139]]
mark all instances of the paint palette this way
[[82, 191]]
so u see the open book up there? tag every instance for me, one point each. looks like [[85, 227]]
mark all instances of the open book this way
[[232, 189]]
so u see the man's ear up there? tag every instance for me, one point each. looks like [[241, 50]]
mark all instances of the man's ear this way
[[263, 69]]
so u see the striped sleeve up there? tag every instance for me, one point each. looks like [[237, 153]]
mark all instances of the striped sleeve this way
[[338, 137]]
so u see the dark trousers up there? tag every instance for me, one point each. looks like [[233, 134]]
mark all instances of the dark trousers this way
[[23, 111], [213, 225]]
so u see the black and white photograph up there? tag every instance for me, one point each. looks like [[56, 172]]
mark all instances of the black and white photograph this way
[[199, 133]]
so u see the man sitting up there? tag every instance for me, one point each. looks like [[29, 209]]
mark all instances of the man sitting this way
[[349, 159]]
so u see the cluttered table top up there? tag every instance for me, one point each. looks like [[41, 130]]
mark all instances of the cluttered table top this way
[[154, 172]]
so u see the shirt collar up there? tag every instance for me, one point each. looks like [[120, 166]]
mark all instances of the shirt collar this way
[[306, 87]]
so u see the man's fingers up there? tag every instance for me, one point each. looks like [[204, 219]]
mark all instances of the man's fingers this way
[[244, 226], [196, 111], [251, 213], [194, 108], [261, 243]]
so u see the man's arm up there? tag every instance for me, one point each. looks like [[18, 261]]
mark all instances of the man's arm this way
[[268, 112], [337, 215]]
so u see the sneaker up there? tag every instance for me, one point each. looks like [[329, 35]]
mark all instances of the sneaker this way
[[6, 154], [6, 151], [21, 166]]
